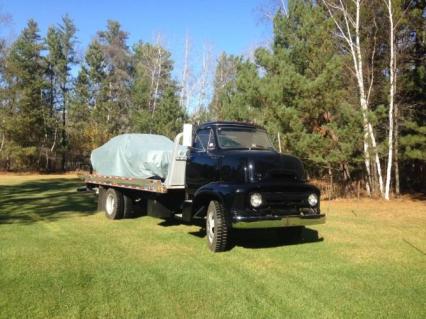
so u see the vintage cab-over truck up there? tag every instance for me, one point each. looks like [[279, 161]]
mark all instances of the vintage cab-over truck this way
[[231, 177]]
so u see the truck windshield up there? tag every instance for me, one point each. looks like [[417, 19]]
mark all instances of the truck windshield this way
[[243, 138]]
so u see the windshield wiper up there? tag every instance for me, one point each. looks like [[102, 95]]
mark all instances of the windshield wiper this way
[[258, 147]]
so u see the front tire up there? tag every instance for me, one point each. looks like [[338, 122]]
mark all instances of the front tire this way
[[217, 228], [114, 204]]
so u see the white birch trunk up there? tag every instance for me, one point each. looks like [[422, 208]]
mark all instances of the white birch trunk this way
[[363, 97], [2, 141], [156, 70], [151, 88], [279, 142], [350, 25], [392, 89], [185, 75], [396, 149], [158, 78], [204, 78]]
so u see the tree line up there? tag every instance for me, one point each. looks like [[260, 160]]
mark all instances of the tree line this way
[[341, 86], [47, 113]]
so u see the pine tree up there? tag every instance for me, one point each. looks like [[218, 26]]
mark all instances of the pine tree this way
[[225, 78], [80, 122], [61, 57], [116, 84], [27, 124], [169, 118], [412, 97], [304, 88], [94, 72], [240, 98]]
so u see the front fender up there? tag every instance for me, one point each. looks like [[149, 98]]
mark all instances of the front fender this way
[[222, 192], [234, 197]]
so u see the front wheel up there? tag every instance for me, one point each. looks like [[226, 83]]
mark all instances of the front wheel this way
[[217, 228]]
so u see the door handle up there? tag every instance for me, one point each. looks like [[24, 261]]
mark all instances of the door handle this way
[[215, 156]]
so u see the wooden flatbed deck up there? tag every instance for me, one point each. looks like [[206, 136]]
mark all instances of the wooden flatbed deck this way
[[148, 185]]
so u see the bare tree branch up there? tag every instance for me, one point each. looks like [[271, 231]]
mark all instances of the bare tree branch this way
[[372, 63], [403, 14]]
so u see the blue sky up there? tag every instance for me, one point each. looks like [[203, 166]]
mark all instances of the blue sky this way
[[231, 26]]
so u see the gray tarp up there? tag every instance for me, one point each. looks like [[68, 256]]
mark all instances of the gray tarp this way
[[134, 155]]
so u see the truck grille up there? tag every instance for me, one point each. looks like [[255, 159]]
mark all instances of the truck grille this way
[[283, 200]]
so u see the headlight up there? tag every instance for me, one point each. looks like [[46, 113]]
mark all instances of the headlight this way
[[256, 199], [313, 200]]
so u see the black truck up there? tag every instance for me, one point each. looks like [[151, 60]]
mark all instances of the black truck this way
[[231, 177]]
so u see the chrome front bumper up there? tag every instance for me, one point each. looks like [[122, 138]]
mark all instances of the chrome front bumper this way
[[245, 222]]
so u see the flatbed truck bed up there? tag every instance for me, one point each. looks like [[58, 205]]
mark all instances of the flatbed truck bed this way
[[142, 184]]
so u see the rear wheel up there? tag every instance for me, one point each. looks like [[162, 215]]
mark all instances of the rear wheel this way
[[128, 207], [101, 199], [114, 204], [217, 229]]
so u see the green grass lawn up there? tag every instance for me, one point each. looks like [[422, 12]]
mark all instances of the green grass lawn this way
[[59, 258]]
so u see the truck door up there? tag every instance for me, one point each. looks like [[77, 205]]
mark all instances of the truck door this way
[[201, 166]]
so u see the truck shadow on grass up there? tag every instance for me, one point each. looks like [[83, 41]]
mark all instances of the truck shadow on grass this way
[[44, 200], [266, 238], [257, 238]]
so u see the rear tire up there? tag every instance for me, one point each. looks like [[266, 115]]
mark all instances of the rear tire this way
[[101, 199], [217, 228], [114, 204], [128, 207]]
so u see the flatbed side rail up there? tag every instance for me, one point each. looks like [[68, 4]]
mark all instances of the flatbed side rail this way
[[148, 185]]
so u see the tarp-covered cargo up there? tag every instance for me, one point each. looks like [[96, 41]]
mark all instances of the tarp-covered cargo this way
[[134, 155]]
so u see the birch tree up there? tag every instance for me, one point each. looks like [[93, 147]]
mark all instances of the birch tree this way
[[397, 22], [184, 94], [392, 90], [152, 85], [152, 65], [205, 74], [156, 73], [348, 26]]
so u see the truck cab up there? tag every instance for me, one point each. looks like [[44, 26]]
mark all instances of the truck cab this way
[[236, 179]]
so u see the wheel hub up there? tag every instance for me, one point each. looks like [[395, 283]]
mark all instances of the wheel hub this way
[[210, 226], [109, 207]]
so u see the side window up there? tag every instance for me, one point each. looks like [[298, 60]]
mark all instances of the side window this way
[[201, 140]]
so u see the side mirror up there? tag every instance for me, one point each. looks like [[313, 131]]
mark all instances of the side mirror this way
[[187, 135]]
